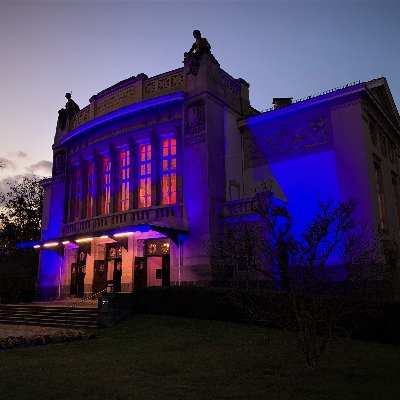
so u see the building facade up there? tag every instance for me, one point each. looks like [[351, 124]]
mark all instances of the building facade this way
[[146, 175]]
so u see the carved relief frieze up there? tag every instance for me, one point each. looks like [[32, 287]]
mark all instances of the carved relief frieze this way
[[80, 118], [116, 100], [287, 141], [122, 128], [160, 86], [195, 123], [230, 86]]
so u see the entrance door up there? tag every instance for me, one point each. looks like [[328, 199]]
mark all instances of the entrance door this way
[[140, 277], [117, 274], [80, 280], [74, 272], [100, 276], [166, 270]]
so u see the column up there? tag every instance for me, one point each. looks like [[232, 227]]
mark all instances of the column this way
[[98, 182], [84, 174], [155, 170], [71, 194], [179, 171], [133, 175], [114, 179]]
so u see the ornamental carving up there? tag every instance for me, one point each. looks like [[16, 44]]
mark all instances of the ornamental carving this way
[[195, 124], [160, 86], [230, 86], [293, 140], [116, 100], [303, 136], [80, 118]]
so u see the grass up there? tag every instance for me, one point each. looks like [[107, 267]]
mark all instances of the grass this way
[[159, 357]]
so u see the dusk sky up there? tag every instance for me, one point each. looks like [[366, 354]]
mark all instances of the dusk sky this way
[[282, 48]]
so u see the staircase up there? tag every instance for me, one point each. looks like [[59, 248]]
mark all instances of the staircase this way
[[51, 316]]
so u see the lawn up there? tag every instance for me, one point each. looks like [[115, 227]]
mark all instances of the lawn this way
[[159, 357]]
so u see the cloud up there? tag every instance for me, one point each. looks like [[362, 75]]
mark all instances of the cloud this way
[[20, 154], [8, 181], [42, 168], [7, 164], [5, 183]]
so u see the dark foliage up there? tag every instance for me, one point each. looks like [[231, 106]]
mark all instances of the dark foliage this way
[[20, 221], [369, 320]]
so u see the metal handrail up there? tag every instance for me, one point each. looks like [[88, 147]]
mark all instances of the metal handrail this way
[[87, 298]]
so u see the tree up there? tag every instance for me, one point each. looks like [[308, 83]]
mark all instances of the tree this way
[[21, 214], [20, 221], [308, 299]]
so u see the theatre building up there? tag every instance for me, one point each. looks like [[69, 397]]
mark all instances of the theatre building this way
[[147, 174]]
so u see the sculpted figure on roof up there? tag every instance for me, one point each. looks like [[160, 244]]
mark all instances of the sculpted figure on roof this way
[[199, 47], [71, 108]]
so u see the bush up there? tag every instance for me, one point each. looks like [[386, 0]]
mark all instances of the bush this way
[[187, 301], [368, 320]]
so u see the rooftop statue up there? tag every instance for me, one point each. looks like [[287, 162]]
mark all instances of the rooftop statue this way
[[71, 108], [199, 47]]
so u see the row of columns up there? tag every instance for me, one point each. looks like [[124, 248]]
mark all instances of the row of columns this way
[[114, 154]]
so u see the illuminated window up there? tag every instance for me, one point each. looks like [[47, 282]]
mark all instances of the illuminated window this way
[[106, 189], [380, 196], [168, 171], [124, 162], [145, 175], [78, 193], [90, 189]]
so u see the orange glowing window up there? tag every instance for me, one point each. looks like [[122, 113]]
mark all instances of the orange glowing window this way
[[106, 188], [78, 193], [145, 175], [124, 165], [168, 170], [90, 189]]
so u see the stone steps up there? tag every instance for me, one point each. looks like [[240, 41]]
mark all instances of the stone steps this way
[[61, 317]]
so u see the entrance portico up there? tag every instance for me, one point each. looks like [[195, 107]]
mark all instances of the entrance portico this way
[[130, 259]]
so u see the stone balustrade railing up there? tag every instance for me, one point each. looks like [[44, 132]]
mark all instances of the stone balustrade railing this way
[[239, 208], [168, 215], [131, 91]]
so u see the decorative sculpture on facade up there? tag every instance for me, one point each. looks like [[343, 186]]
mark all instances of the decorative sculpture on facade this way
[[199, 47], [71, 108]]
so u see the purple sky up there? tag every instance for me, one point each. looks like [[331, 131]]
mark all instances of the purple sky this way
[[282, 48]]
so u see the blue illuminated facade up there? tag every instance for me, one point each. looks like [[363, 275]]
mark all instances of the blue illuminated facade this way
[[148, 173]]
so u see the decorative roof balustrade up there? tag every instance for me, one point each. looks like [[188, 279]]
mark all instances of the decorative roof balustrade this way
[[171, 216], [130, 91]]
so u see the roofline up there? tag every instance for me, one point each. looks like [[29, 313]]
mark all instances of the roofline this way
[[383, 82], [314, 101], [123, 112]]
